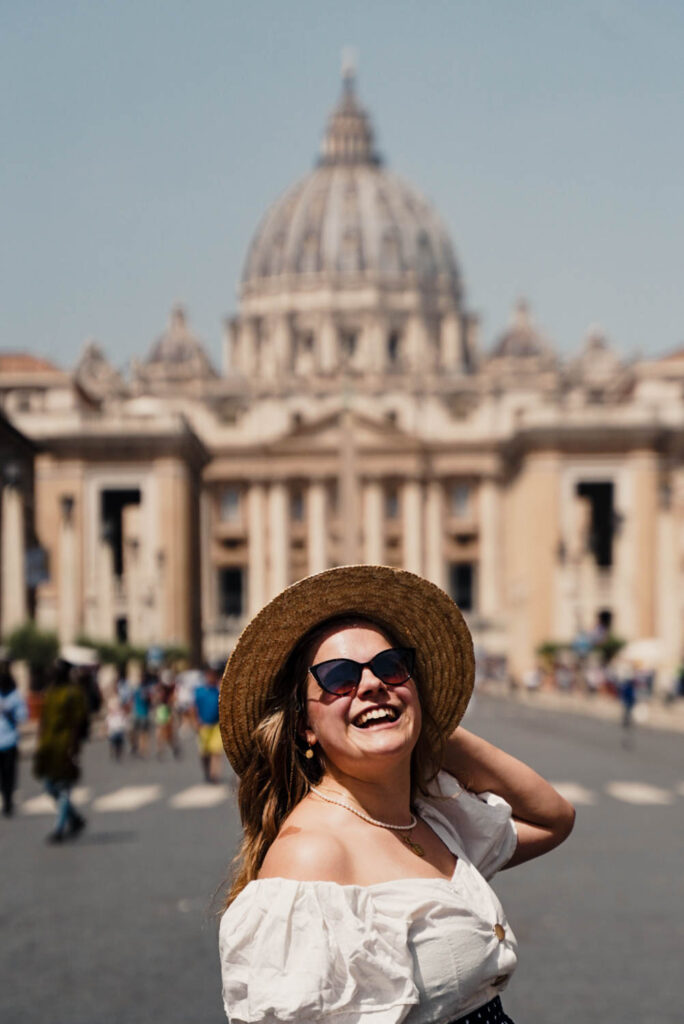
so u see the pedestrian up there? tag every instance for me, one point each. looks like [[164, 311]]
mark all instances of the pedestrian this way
[[164, 721], [372, 823], [207, 717], [12, 713], [63, 724], [628, 697], [142, 703], [116, 723]]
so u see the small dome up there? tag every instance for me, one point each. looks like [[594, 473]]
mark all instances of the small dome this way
[[350, 220], [521, 339], [178, 345]]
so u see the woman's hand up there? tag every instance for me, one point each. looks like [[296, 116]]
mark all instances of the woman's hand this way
[[543, 817]]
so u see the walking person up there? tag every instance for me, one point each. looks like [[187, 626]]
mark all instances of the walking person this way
[[164, 715], [12, 713], [116, 723], [207, 717], [63, 725], [372, 821], [142, 704]]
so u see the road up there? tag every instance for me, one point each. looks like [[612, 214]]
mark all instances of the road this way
[[121, 925]]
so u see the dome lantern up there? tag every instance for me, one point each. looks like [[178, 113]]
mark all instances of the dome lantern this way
[[349, 138]]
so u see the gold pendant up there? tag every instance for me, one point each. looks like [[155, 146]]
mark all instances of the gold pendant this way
[[414, 847]]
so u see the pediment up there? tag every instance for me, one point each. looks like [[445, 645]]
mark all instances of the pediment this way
[[330, 432]]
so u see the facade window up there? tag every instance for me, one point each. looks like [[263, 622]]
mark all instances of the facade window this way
[[112, 505], [390, 253], [459, 499], [392, 503], [394, 350], [348, 343], [230, 505], [602, 522], [462, 578], [231, 592], [308, 259], [297, 506], [351, 257]]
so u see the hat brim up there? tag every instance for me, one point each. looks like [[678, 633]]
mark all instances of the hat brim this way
[[415, 610]]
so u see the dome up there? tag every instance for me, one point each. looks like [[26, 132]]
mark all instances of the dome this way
[[351, 220], [179, 350], [521, 339]]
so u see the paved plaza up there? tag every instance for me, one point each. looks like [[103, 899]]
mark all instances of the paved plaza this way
[[120, 926]]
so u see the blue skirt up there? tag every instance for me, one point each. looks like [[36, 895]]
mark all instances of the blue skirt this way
[[490, 1013]]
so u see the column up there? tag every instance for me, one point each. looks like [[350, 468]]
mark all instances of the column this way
[[668, 601], [412, 526], [105, 605], [316, 532], [490, 558], [256, 518], [68, 573], [281, 340], [435, 568], [14, 606], [373, 546], [327, 345], [450, 343], [278, 536], [348, 490]]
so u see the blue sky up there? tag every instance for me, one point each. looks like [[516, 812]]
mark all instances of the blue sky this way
[[142, 142]]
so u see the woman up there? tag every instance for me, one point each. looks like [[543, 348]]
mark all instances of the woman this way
[[361, 885], [63, 724]]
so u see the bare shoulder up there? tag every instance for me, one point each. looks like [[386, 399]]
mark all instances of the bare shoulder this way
[[307, 852]]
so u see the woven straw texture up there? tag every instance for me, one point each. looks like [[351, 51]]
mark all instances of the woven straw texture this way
[[413, 609]]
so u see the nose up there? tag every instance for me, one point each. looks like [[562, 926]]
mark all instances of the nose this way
[[370, 684]]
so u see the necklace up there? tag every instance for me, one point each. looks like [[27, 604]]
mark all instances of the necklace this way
[[414, 847]]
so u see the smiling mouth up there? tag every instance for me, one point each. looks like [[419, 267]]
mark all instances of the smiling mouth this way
[[375, 716]]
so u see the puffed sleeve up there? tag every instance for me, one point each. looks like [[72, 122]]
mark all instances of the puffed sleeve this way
[[482, 823], [307, 951]]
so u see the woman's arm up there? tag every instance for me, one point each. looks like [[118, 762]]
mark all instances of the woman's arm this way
[[543, 817]]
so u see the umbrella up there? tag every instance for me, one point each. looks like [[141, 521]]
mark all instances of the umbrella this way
[[648, 651]]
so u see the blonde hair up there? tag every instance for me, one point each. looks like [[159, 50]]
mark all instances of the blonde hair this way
[[278, 775]]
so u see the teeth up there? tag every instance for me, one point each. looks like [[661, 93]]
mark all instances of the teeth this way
[[376, 714]]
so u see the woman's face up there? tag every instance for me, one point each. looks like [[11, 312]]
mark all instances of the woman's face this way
[[348, 736]]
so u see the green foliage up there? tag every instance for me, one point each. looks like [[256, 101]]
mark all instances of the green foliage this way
[[549, 650], [174, 653], [609, 647], [32, 645], [110, 652]]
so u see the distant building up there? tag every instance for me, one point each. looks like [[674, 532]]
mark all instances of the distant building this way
[[357, 419]]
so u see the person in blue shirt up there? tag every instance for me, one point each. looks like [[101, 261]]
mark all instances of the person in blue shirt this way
[[207, 720], [12, 712]]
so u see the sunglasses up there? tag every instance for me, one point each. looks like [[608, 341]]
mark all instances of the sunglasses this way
[[341, 676]]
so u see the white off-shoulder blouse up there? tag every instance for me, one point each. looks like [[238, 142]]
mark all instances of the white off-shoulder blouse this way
[[419, 950]]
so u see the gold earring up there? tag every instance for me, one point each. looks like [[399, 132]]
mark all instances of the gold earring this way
[[308, 754]]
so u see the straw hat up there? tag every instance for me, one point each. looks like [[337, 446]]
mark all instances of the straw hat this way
[[416, 611]]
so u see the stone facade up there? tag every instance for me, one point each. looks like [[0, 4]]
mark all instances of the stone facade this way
[[356, 419]]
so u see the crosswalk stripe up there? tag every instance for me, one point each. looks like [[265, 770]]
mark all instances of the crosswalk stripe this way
[[128, 798], [639, 793], [44, 804], [199, 796], [575, 793]]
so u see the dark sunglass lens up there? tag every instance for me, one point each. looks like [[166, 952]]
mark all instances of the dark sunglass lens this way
[[338, 676], [393, 667]]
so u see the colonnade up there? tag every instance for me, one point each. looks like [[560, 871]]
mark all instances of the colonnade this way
[[363, 536]]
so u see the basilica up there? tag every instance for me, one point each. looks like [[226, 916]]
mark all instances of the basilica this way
[[355, 418]]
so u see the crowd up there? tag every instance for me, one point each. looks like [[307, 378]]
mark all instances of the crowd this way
[[143, 717]]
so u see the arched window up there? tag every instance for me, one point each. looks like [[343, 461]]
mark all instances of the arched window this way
[[390, 252]]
